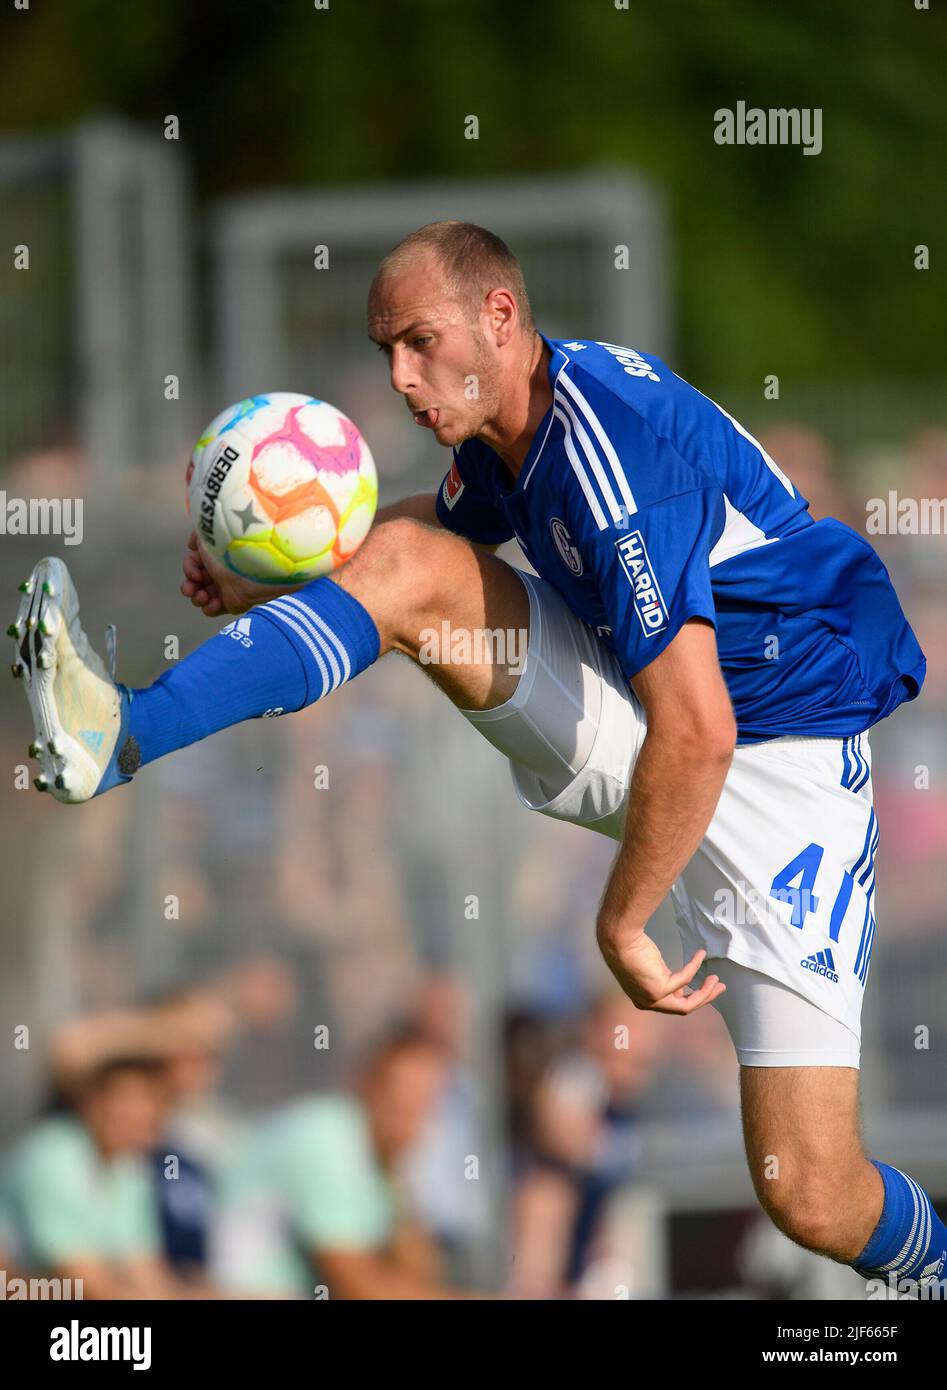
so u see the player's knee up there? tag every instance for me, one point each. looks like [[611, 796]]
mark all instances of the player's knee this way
[[805, 1211], [397, 563], [815, 1228]]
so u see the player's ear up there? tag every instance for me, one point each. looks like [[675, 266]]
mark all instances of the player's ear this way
[[503, 315]]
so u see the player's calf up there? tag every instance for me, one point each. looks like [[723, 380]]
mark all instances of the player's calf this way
[[814, 1180], [278, 657]]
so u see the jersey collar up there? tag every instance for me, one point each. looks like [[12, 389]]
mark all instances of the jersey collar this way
[[558, 360]]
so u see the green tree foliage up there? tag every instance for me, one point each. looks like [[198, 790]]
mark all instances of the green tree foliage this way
[[804, 264]]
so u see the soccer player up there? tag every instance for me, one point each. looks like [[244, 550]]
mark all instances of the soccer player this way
[[703, 664]]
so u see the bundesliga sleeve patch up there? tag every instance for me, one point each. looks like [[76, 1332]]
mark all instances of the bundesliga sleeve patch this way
[[649, 601], [453, 486]]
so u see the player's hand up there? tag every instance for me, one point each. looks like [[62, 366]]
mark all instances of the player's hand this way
[[198, 585], [215, 589], [651, 985]]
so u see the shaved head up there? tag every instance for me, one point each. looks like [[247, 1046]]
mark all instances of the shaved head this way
[[472, 261]]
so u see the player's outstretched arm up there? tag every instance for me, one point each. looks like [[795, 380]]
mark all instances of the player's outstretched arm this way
[[677, 782]]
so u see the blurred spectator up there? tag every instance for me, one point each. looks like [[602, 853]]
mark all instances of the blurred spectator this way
[[432, 1169], [186, 1035], [528, 1050], [586, 1144], [199, 1028], [926, 479], [313, 1202], [62, 470], [79, 1192], [189, 1023], [235, 1016], [324, 841], [805, 456]]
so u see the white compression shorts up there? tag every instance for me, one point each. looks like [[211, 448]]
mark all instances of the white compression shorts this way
[[780, 891]]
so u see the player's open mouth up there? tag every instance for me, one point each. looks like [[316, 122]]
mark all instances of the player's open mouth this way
[[426, 418]]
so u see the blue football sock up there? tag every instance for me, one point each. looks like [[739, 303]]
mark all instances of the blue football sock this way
[[278, 657], [910, 1240]]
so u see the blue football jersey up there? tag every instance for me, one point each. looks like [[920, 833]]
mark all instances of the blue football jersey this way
[[646, 504]]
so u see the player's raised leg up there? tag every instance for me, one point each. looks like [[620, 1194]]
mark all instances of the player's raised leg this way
[[407, 579], [414, 578], [814, 1179]]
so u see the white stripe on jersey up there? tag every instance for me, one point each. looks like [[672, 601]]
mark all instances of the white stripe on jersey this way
[[739, 535], [608, 449], [579, 470], [771, 463], [592, 458]]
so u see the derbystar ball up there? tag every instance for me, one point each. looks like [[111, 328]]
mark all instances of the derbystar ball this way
[[282, 488]]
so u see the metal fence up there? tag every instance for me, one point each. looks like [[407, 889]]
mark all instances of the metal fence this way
[[95, 315]]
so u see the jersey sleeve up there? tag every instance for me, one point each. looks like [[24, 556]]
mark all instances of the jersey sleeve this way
[[463, 506], [653, 573]]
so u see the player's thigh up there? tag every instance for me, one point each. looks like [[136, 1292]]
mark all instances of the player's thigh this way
[[459, 611], [798, 1072], [572, 727]]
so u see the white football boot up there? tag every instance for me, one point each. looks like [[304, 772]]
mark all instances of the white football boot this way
[[80, 713]]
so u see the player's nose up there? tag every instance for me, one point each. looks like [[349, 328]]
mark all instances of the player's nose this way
[[402, 379]]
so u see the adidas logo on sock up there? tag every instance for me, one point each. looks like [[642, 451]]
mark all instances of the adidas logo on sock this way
[[822, 963], [239, 630], [94, 738]]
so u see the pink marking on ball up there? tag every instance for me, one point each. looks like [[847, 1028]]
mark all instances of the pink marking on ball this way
[[330, 458]]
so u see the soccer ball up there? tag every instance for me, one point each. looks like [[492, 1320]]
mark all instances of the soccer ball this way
[[282, 488]]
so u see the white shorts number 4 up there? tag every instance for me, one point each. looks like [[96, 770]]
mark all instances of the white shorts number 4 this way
[[783, 882]]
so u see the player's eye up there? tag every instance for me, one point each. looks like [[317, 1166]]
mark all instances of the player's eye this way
[[421, 339]]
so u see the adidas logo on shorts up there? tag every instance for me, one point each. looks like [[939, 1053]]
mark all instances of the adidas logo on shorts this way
[[822, 963]]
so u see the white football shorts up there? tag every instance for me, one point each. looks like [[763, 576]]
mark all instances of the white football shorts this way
[[780, 891]]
